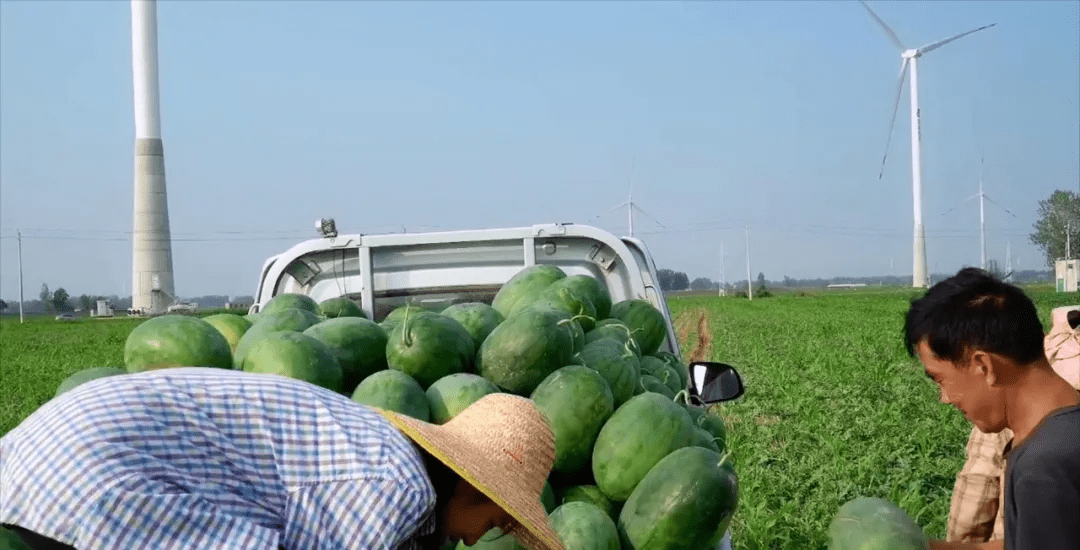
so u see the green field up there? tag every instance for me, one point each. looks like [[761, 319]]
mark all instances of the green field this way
[[834, 407]]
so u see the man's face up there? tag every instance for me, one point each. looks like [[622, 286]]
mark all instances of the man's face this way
[[968, 389], [470, 514]]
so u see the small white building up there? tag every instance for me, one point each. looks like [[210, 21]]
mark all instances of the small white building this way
[[104, 309], [1067, 275]]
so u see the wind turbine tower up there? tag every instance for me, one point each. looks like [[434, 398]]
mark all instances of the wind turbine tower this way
[[909, 59], [1008, 262], [151, 261]]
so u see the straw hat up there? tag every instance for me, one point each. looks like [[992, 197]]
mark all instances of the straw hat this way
[[504, 447]]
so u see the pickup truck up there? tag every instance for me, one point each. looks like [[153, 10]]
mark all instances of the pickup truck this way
[[437, 269]]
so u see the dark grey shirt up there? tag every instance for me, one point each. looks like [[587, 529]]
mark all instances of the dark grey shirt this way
[[1042, 494]]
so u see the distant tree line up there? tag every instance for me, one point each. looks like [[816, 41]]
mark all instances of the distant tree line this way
[[60, 301], [674, 281]]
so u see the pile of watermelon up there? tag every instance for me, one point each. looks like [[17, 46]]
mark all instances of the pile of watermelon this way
[[636, 467]]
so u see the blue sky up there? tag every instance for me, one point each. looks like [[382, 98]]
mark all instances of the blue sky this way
[[391, 116]]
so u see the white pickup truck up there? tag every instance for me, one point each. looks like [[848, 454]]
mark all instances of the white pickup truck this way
[[438, 269]]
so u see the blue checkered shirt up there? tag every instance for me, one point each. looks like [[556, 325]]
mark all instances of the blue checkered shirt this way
[[199, 458]]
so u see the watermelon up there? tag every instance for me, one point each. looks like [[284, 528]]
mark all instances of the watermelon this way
[[567, 300], [429, 346], [705, 440], [451, 394], [230, 325], [340, 307], [870, 523], [576, 401], [673, 361], [252, 317], [547, 497], [648, 382], [590, 287], [10, 541], [616, 330], [86, 375], [524, 286], [175, 341], [393, 391], [583, 526], [646, 323], [291, 300], [478, 318], [616, 364], [591, 494], [655, 366], [358, 344], [395, 317], [493, 540], [681, 503], [711, 423], [291, 319], [524, 349], [730, 499], [295, 355], [642, 431]]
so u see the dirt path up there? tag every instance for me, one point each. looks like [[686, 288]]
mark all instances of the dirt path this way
[[686, 329]]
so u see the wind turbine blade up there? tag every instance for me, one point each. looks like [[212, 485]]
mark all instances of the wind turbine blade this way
[[896, 107], [646, 214], [959, 204], [940, 43], [999, 206], [620, 205], [888, 31]]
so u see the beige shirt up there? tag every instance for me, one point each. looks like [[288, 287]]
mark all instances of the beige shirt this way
[[977, 513]]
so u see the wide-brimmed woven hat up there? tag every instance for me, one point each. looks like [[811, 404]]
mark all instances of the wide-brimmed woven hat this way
[[503, 445]]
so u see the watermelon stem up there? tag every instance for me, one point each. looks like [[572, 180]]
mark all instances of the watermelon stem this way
[[685, 397], [725, 458], [405, 339], [566, 322], [575, 318]]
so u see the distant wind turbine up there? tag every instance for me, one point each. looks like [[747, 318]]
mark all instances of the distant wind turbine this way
[[630, 207], [982, 216], [1009, 262], [909, 58]]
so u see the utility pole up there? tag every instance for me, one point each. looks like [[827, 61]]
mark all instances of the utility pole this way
[[722, 285], [1068, 251], [19, 233], [749, 283]]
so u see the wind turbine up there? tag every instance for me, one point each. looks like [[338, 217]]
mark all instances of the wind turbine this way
[[151, 261], [982, 215], [1008, 262], [630, 207], [909, 59]]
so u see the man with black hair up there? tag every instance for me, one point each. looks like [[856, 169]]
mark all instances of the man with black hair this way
[[977, 511], [981, 342]]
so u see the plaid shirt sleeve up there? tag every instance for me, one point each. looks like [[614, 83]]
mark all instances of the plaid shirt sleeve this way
[[975, 514]]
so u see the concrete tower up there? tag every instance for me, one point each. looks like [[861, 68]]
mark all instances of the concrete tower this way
[[151, 260]]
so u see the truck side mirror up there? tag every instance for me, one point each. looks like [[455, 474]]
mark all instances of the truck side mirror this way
[[715, 382]]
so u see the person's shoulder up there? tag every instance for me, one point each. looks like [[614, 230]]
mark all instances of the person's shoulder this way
[[1053, 443]]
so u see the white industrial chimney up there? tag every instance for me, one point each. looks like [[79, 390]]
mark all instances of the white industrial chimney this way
[[151, 260]]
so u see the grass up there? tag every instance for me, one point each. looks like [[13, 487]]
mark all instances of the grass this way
[[37, 355], [834, 407]]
